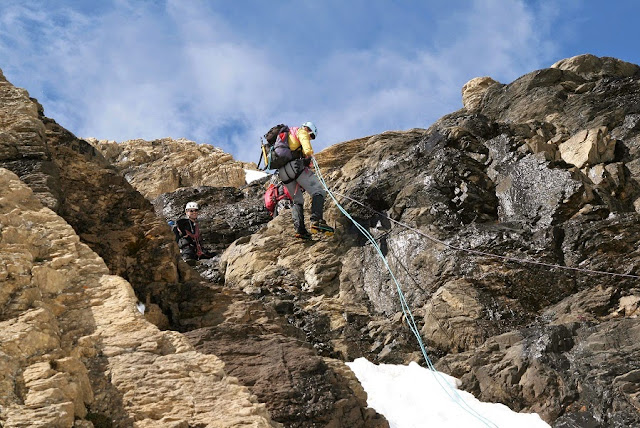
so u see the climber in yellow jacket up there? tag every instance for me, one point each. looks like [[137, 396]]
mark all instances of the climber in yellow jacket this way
[[297, 175], [300, 137]]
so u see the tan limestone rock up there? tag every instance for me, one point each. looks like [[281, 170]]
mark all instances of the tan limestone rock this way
[[164, 165], [22, 140], [20, 121], [453, 315], [474, 90], [590, 66], [72, 340], [538, 144], [588, 147]]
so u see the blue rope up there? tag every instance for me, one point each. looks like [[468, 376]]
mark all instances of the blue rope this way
[[450, 391]]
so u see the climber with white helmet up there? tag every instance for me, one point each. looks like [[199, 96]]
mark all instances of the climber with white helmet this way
[[188, 235], [298, 176]]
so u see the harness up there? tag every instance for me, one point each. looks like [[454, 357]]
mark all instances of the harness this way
[[294, 168], [194, 234]]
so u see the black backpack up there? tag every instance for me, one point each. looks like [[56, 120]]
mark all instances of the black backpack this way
[[272, 134], [275, 147]]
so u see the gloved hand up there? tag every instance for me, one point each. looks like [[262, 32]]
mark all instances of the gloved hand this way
[[307, 161]]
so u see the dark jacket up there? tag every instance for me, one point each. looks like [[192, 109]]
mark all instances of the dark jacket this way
[[189, 238]]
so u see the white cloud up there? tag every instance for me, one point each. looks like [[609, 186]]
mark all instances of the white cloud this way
[[151, 70], [500, 38]]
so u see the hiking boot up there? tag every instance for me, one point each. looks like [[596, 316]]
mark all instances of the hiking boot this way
[[303, 235], [321, 226]]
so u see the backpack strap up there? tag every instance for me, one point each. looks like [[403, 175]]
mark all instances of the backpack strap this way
[[297, 153], [195, 236]]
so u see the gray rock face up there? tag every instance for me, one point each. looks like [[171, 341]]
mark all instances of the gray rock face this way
[[226, 213], [529, 190]]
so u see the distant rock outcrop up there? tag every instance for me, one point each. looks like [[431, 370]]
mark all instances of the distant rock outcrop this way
[[165, 165], [473, 91], [591, 67]]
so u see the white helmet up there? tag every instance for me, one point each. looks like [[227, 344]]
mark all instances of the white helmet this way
[[312, 127], [191, 206]]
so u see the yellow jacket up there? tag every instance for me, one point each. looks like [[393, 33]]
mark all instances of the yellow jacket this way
[[300, 137]]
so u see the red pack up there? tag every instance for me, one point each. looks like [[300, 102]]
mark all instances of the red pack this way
[[273, 195]]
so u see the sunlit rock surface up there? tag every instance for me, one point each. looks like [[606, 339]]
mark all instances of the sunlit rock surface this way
[[164, 165], [74, 346], [496, 181]]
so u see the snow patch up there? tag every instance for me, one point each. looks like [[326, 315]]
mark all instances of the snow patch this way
[[414, 397], [252, 175]]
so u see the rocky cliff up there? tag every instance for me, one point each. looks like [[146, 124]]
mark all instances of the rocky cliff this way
[[76, 351], [512, 224], [165, 165], [501, 221]]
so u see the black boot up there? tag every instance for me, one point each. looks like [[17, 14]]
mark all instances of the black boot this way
[[321, 226], [297, 212], [303, 235], [317, 222], [316, 207]]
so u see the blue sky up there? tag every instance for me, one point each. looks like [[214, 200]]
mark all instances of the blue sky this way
[[222, 72]]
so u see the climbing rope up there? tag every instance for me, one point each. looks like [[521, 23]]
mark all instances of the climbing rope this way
[[483, 253], [406, 310]]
